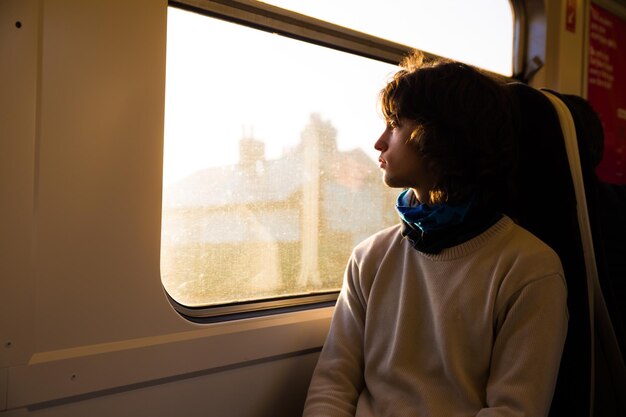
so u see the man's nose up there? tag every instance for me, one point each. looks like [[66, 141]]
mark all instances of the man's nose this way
[[381, 144]]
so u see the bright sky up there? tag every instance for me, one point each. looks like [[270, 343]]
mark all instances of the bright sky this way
[[224, 79]]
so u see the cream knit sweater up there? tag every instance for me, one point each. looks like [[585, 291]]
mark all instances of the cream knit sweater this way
[[476, 330]]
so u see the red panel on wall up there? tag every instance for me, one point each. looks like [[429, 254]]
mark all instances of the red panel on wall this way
[[606, 89]]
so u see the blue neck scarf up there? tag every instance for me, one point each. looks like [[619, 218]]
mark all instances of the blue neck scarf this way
[[427, 218]]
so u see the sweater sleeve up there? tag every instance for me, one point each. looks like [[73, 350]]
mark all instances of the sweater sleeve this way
[[338, 377], [529, 339]]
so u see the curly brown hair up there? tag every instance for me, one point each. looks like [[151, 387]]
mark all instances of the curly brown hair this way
[[464, 132]]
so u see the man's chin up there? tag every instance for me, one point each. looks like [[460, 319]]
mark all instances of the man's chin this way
[[393, 182]]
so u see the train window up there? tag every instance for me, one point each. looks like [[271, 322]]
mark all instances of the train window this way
[[476, 32], [270, 177]]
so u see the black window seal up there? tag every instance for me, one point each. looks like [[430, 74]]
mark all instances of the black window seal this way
[[254, 308]]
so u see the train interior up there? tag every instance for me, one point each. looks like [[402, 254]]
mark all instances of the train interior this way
[[87, 325]]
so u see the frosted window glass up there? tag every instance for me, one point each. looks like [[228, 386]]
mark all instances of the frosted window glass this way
[[270, 176]]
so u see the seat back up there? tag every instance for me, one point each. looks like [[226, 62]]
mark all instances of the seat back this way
[[609, 384], [544, 202]]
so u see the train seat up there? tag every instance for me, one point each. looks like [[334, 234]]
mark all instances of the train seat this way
[[548, 200], [609, 371]]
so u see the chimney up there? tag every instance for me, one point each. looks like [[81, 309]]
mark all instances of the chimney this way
[[251, 154]]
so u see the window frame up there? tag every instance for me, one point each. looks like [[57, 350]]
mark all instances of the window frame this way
[[288, 23], [269, 18]]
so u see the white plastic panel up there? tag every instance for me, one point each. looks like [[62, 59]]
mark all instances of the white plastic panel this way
[[19, 52]]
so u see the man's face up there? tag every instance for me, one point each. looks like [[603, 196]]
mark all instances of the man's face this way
[[400, 162]]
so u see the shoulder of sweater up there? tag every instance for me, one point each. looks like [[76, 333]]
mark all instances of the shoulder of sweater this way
[[379, 242], [532, 259], [527, 243]]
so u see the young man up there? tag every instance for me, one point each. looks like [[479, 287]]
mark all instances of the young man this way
[[456, 311]]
